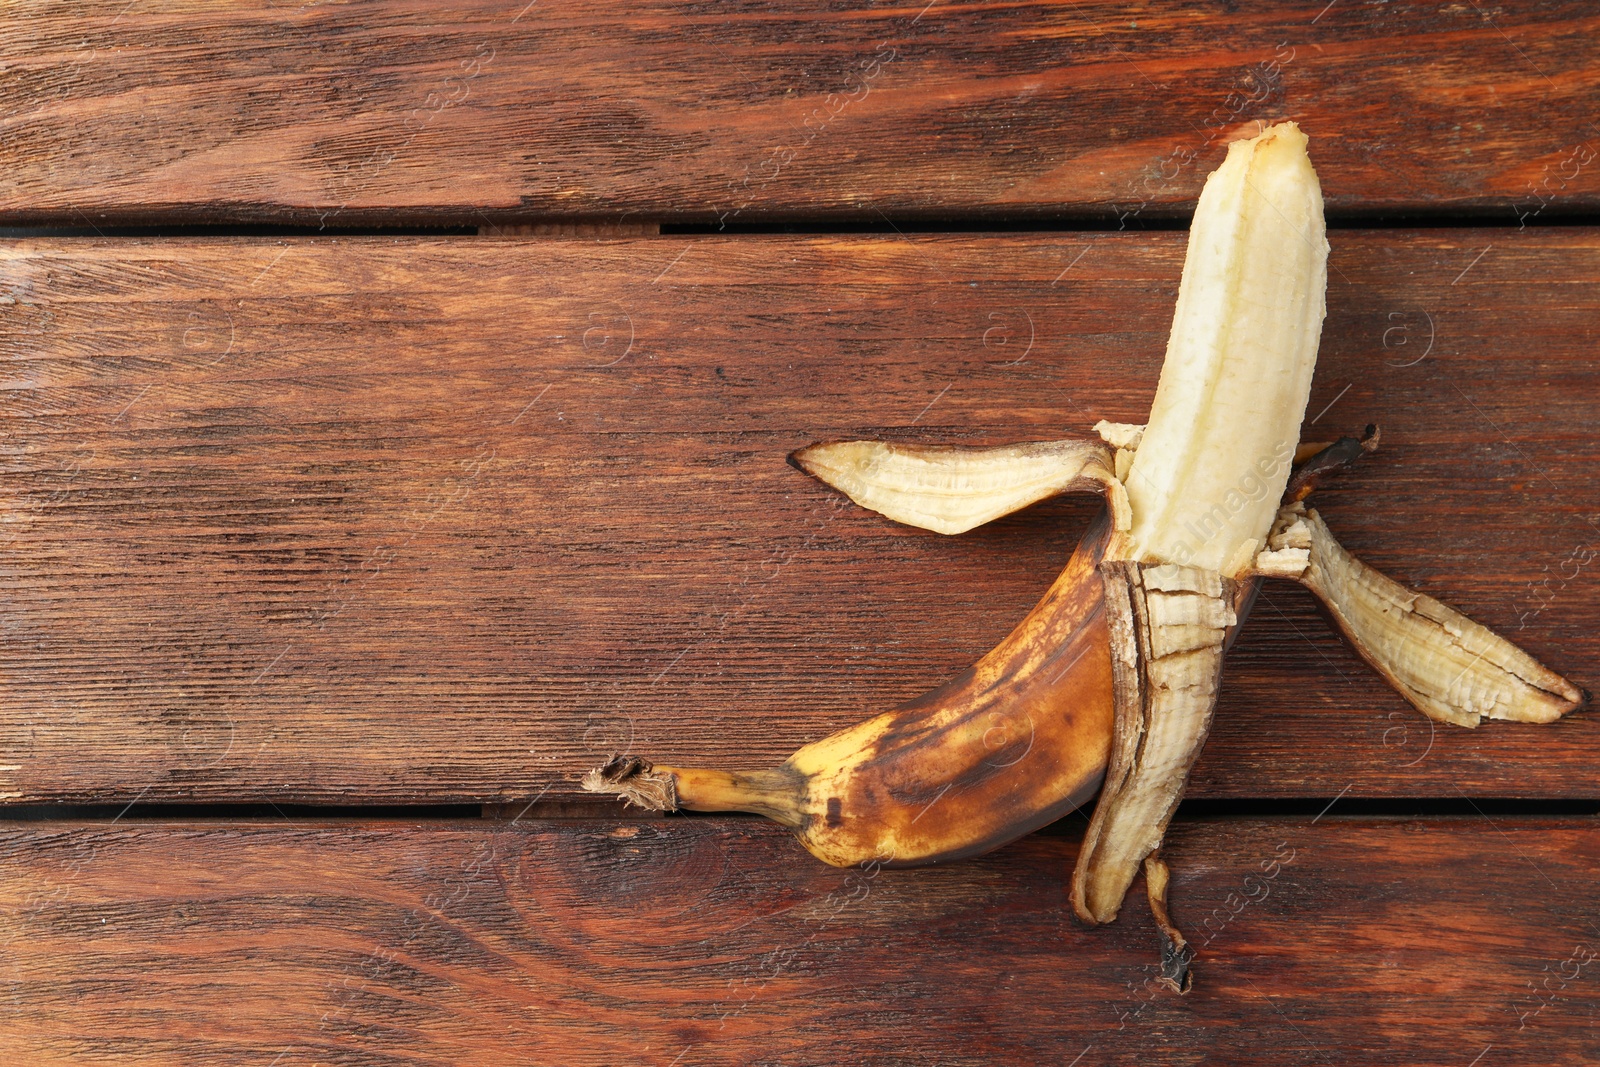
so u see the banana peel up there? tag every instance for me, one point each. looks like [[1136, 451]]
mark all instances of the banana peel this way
[[1110, 682], [1012, 743]]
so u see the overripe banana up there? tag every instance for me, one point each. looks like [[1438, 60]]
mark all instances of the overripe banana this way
[[1117, 669]]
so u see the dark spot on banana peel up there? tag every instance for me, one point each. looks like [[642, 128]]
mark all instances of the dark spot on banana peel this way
[[955, 818], [1076, 628], [835, 811]]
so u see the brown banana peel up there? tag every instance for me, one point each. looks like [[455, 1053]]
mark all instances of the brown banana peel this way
[[1114, 675], [1012, 743]]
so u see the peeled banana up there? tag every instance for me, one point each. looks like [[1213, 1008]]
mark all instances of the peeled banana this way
[[1115, 673]]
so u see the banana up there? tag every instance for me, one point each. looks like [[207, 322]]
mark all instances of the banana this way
[[1114, 674]]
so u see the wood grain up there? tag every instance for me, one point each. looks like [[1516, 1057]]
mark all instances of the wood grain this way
[[474, 112], [716, 941], [364, 520]]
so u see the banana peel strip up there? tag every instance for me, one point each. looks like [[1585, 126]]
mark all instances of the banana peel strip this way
[[951, 489], [1169, 629], [1450, 668]]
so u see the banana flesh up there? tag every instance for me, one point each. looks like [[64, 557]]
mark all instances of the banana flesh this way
[[1215, 456]]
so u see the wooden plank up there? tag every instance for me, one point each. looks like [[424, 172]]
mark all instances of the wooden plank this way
[[474, 112], [453, 519], [717, 941]]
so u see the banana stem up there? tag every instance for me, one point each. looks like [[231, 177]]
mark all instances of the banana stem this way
[[770, 792], [776, 794]]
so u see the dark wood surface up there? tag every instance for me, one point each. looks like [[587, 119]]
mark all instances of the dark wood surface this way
[[431, 519], [471, 112], [717, 941], [405, 520]]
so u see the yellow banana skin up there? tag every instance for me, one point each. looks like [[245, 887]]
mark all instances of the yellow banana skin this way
[[1014, 742]]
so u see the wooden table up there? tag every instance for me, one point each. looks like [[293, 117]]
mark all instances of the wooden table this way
[[396, 404]]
